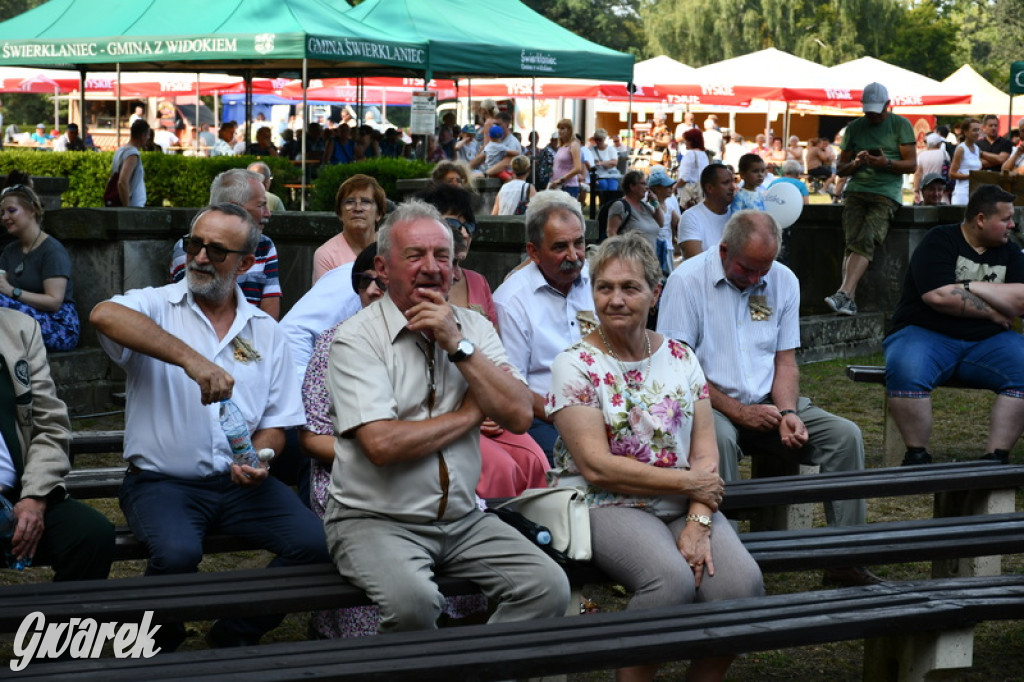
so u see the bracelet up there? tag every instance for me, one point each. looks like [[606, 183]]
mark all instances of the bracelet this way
[[783, 413], [967, 285]]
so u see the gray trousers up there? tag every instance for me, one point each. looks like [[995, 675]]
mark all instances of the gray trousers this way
[[638, 550], [835, 445], [395, 564]]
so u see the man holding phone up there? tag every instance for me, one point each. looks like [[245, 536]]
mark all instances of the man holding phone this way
[[877, 151]]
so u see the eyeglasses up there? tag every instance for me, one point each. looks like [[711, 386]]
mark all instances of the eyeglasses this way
[[457, 224], [214, 252], [351, 203], [366, 279]]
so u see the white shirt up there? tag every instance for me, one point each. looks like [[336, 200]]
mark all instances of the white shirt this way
[[537, 322], [699, 223], [669, 207], [167, 428], [735, 334], [713, 142], [330, 301], [607, 154], [8, 476], [222, 148]]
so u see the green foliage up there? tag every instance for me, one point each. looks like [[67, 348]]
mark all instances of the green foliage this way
[[27, 109], [386, 171], [171, 180], [12, 8], [612, 23], [922, 41]]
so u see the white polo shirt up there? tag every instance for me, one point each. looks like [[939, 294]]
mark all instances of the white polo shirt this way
[[537, 322], [167, 428], [734, 333]]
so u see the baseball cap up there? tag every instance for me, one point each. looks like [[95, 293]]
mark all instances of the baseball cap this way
[[874, 98], [40, 125], [496, 132], [930, 178], [659, 178], [469, 129]]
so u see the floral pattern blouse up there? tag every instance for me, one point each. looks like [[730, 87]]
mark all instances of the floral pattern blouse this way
[[647, 418]]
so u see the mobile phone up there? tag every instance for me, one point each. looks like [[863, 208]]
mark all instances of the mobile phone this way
[[875, 152]]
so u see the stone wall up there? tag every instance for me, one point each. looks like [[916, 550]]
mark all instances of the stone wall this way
[[113, 250]]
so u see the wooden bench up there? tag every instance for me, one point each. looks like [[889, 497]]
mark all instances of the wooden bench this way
[[892, 440], [911, 629]]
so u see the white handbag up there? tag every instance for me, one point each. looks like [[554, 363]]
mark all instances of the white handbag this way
[[563, 511]]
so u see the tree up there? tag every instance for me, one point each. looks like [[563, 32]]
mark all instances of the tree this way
[[614, 24], [12, 8], [922, 42]]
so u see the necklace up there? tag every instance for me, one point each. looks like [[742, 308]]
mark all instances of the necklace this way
[[633, 382], [21, 266]]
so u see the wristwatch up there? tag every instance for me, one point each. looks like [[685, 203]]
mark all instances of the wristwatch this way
[[16, 293], [699, 518], [463, 350]]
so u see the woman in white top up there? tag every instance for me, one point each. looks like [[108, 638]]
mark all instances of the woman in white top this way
[[516, 193], [691, 164], [966, 158]]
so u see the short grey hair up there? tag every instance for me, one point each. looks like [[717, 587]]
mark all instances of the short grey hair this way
[[227, 208], [631, 247], [791, 168], [233, 186], [261, 168], [407, 212], [745, 224], [540, 208]]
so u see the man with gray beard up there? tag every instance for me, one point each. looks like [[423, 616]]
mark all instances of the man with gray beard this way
[[546, 306], [184, 346]]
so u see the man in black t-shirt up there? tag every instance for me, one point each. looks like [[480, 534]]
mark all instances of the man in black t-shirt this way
[[964, 287], [995, 150]]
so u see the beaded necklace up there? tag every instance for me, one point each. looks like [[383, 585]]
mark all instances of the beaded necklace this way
[[637, 383]]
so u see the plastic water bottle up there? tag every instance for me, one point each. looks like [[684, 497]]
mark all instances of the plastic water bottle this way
[[8, 522], [237, 433], [537, 533]]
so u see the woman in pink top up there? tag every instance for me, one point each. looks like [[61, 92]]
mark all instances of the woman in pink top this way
[[565, 175], [360, 206]]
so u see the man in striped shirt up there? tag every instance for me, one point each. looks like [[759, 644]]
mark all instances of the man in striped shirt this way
[[260, 283], [739, 310]]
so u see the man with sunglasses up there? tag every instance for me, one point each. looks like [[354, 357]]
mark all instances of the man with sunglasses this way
[[260, 283], [185, 347]]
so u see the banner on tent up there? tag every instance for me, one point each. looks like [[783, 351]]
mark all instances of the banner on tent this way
[[1016, 78]]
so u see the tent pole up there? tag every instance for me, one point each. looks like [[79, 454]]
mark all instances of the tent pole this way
[[196, 127], [785, 126], [305, 139], [469, 102], [533, 126], [629, 118], [81, 99], [117, 106], [248, 105]]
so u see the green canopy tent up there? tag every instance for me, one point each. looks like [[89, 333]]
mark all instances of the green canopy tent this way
[[250, 37], [494, 38]]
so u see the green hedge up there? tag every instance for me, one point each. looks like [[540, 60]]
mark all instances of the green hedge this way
[[386, 171], [171, 180]]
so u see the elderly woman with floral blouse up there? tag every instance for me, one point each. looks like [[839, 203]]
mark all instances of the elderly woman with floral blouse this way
[[638, 437]]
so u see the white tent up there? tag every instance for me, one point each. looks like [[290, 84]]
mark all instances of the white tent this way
[[906, 88], [985, 97], [769, 67], [663, 69]]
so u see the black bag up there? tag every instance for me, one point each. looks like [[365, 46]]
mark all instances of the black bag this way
[[602, 218], [524, 200], [111, 197]]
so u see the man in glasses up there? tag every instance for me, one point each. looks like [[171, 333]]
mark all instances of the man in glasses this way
[[185, 347], [411, 378], [260, 283]]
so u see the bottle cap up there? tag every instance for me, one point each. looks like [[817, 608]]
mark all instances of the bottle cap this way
[[543, 537], [266, 454]]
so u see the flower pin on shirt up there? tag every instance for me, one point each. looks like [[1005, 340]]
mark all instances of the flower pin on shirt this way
[[759, 310], [244, 351], [587, 321]]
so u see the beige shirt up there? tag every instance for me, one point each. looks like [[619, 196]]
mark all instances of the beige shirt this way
[[380, 370]]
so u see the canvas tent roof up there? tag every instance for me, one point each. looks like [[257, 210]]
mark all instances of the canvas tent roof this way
[[494, 38], [663, 69], [985, 97], [266, 36], [770, 67], [906, 88]]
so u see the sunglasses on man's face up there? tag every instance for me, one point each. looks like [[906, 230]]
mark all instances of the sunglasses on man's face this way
[[214, 252], [365, 279], [456, 224]]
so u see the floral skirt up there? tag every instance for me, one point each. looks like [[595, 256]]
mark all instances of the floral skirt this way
[[60, 328]]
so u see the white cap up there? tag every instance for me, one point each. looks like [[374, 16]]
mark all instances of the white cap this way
[[874, 98]]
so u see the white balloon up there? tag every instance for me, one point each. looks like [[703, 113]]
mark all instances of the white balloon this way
[[784, 202]]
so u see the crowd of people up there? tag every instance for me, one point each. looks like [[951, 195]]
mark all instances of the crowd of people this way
[[406, 392]]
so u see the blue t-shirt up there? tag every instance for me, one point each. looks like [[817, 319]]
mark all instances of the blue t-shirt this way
[[799, 184]]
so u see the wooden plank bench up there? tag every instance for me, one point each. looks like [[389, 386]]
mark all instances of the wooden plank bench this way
[[960, 489], [209, 595], [924, 626], [892, 440]]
